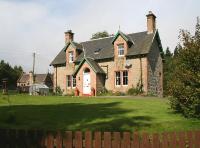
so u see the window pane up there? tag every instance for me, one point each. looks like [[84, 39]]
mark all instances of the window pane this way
[[68, 81], [117, 78], [71, 56], [121, 49], [125, 77], [74, 81]]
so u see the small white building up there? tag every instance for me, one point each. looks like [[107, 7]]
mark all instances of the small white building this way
[[38, 89]]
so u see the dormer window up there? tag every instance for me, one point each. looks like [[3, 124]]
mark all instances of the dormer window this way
[[71, 57], [120, 49]]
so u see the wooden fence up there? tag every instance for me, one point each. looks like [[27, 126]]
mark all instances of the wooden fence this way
[[68, 139]]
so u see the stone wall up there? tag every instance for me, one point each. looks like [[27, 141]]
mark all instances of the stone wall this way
[[155, 70]]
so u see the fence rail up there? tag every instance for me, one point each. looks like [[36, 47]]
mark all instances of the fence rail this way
[[68, 139]]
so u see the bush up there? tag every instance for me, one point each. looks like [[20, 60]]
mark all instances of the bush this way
[[59, 92], [133, 91]]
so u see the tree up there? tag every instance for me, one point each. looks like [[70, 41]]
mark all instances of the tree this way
[[100, 35], [185, 82], [12, 74], [167, 70], [168, 53]]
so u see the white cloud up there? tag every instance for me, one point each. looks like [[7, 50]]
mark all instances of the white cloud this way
[[28, 26]]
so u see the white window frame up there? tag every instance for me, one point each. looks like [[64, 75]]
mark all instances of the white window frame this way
[[120, 48], [73, 81], [68, 81], [71, 56], [124, 77], [117, 78]]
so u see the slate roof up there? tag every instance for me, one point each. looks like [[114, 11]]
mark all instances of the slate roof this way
[[39, 78], [142, 42], [96, 68], [24, 78]]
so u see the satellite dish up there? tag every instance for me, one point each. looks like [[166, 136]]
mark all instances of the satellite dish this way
[[128, 64]]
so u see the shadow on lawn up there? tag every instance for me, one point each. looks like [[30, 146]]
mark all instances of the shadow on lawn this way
[[73, 116]]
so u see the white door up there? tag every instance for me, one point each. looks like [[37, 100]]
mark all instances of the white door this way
[[86, 83]]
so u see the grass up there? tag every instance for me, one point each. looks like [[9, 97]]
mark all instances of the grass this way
[[103, 114]]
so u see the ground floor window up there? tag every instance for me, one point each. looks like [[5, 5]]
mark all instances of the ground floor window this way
[[117, 78], [121, 78], [125, 77], [71, 81], [74, 81]]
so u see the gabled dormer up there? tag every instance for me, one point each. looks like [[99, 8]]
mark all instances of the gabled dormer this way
[[121, 43], [72, 49]]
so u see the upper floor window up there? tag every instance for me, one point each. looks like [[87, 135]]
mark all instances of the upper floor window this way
[[71, 56], [120, 50]]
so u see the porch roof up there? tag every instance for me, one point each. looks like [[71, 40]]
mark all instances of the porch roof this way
[[95, 67]]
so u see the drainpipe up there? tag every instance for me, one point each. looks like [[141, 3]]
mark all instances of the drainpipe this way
[[56, 79], [141, 82]]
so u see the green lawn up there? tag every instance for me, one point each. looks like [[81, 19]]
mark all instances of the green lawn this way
[[104, 114]]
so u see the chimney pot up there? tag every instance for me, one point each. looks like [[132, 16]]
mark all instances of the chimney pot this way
[[69, 36]]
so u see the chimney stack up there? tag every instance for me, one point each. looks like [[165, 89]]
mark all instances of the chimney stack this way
[[69, 36], [151, 22], [30, 78]]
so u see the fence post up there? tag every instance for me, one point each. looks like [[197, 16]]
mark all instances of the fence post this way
[[116, 142], [58, 140], [67, 142], [136, 141], [50, 140], [190, 139], [197, 139], [145, 142], [173, 140], [156, 140], [78, 139], [88, 139], [107, 140], [126, 142], [164, 140], [97, 140], [182, 139]]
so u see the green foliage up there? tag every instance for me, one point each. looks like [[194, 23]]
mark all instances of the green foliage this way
[[133, 91], [168, 67], [100, 35], [12, 74], [185, 82], [59, 92], [136, 91]]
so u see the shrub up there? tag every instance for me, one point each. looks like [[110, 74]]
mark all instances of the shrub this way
[[133, 91], [59, 91]]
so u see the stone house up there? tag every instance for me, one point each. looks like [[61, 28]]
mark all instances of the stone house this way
[[116, 63], [24, 82]]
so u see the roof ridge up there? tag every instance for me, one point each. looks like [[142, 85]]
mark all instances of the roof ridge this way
[[111, 37]]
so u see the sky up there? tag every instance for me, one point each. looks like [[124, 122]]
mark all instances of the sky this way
[[28, 26]]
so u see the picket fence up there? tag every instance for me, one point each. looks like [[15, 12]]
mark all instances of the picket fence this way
[[77, 139]]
